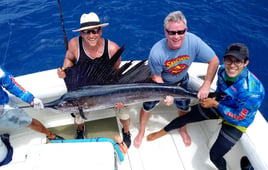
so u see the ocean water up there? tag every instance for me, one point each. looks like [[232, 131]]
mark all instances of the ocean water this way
[[31, 36]]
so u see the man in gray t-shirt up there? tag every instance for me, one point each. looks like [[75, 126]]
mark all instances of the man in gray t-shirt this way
[[169, 60]]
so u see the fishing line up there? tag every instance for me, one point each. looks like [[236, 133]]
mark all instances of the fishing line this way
[[8, 42], [63, 28]]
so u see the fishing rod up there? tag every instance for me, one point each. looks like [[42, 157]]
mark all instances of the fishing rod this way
[[63, 28], [8, 43]]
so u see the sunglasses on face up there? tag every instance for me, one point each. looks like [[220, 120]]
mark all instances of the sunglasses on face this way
[[229, 61], [95, 31], [180, 32]]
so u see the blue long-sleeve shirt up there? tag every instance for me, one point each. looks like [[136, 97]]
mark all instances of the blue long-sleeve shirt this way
[[8, 82], [243, 98]]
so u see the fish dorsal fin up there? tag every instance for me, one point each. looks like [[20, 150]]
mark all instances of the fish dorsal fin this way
[[140, 73], [99, 72], [102, 72]]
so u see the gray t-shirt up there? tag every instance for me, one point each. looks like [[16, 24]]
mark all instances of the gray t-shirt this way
[[174, 64]]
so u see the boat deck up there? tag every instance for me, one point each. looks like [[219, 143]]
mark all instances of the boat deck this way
[[168, 152]]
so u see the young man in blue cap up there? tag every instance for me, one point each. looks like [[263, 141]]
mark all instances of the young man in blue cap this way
[[241, 94]]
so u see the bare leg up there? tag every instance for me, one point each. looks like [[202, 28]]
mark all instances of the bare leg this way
[[36, 125], [185, 137], [156, 135], [126, 132], [125, 124], [123, 114], [144, 117], [79, 123], [80, 126]]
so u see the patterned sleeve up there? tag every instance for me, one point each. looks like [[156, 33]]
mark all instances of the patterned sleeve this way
[[9, 83], [240, 107]]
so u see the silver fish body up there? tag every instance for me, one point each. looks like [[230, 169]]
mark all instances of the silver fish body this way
[[99, 97]]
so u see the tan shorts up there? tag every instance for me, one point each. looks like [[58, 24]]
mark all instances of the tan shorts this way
[[122, 113]]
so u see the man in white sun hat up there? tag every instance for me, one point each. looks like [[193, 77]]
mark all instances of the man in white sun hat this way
[[90, 47]]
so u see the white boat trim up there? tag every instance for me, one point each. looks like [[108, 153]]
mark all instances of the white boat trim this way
[[168, 152]]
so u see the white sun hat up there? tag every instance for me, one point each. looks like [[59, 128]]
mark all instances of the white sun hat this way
[[90, 20]]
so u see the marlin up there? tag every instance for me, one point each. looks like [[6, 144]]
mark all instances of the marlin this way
[[99, 86], [97, 97]]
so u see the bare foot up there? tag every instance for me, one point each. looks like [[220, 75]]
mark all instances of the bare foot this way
[[185, 137], [122, 146], [51, 135], [138, 140], [156, 135]]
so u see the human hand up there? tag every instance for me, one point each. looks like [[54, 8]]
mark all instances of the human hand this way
[[61, 72], [37, 104], [208, 102], [119, 105], [168, 100], [203, 92]]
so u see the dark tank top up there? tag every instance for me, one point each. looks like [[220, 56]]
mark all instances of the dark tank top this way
[[89, 71], [83, 57]]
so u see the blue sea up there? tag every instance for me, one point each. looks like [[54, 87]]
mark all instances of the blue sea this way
[[31, 36]]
